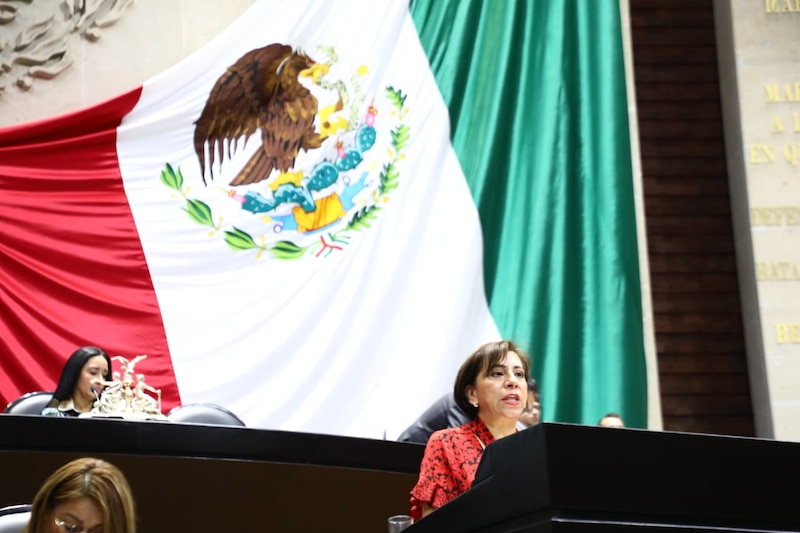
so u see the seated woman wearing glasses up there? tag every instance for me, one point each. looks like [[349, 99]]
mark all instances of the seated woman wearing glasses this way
[[81, 381], [491, 388], [531, 415], [86, 495]]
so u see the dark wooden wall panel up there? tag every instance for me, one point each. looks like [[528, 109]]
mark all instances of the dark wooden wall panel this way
[[697, 314]]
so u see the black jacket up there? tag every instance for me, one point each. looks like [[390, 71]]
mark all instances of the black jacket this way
[[444, 413]]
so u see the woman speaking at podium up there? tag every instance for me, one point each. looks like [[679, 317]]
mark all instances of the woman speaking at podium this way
[[491, 388]]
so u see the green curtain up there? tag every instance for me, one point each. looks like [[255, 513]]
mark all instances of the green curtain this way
[[537, 100]]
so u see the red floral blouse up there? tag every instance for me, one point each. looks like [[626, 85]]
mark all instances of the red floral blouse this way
[[449, 464]]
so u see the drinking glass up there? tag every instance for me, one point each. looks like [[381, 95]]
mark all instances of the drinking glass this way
[[399, 522]]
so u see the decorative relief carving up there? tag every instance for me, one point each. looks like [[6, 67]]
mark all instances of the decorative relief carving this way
[[35, 35]]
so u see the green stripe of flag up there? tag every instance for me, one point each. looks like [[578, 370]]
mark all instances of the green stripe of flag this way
[[537, 101]]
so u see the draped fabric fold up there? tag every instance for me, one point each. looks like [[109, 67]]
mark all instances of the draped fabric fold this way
[[311, 295], [537, 101], [473, 187], [72, 270]]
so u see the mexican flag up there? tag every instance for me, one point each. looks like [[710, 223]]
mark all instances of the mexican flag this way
[[315, 218]]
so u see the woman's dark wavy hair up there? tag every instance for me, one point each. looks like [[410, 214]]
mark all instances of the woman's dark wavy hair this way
[[72, 371], [478, 364]]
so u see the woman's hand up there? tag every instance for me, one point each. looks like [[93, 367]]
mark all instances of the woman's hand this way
[[427, 509]]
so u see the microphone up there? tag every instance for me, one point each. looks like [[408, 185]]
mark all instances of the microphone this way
[[51, 409], [94, 391]]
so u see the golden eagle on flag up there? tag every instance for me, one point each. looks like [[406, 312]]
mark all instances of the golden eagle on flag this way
[[260, 92]]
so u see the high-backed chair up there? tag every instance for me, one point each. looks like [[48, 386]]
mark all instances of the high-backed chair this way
[[31, 403], [204, 413], [14, 518]]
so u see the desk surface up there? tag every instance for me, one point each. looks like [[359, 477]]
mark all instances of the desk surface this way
[[191, 477], [164, 438]]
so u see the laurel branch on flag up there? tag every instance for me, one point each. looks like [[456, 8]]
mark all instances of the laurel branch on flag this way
[[329, 241]]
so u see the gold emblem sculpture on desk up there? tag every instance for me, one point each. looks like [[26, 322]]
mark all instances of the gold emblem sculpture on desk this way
[[127, 397]]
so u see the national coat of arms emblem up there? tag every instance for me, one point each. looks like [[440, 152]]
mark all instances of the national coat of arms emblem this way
[[322, 171]]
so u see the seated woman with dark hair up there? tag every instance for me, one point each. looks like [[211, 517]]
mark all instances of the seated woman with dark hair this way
[[81, 381], [491, 389]]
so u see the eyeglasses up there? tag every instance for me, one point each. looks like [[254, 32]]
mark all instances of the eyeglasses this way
[[69, 527]]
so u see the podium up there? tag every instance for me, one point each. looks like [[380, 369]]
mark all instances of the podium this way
[[583, 479], [192, 477]]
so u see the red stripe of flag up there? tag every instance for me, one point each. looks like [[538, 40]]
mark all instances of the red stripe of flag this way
[[72, 269]]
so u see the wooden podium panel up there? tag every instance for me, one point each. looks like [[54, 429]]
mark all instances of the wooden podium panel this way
[[583, 479], [189, 477]]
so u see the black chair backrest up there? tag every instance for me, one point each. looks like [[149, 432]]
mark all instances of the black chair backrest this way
[[29, 404], [204, 413], [14, 518]]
